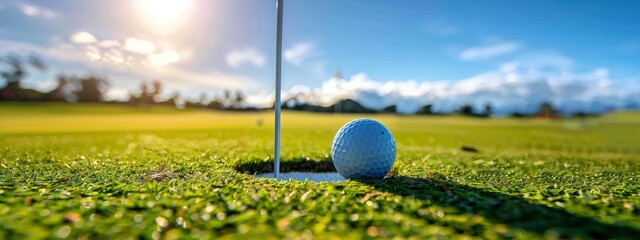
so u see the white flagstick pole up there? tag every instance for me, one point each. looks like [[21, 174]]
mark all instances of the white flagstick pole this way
[[276, 157]]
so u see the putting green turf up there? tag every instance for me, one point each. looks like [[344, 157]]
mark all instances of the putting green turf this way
[[100, 171]]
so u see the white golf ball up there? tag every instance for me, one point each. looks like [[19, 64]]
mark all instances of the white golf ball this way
[[363, 148]]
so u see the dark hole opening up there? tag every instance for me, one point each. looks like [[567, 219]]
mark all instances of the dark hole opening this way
[[286, 165]]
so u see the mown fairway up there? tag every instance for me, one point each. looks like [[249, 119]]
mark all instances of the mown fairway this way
[[106, 172]]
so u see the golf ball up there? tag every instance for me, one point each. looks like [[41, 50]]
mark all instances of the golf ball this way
[[363, 148]]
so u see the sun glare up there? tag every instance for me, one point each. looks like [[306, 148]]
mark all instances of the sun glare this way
[[163, 16]]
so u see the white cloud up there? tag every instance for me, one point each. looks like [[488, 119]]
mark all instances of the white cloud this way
[[111, 51], [83, 38], [124, 69], [306, 56], [134, 52], [61, 52], [163, 58], [93, 53], [109, 43], [511, 88], [139, 46], [299, 53], [250, 56], [489, 51], [33, 10], [114, 56]]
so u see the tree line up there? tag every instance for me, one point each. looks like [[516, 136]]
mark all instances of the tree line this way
[[92, 88], [545, 110]]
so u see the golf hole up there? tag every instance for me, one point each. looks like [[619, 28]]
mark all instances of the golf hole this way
[[297, 169]]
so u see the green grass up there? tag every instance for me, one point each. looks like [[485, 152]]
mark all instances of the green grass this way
[[108, 172]]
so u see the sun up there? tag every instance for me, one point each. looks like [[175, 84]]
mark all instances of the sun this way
[[163, 16]]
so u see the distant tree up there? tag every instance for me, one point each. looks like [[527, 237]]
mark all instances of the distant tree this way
[[156, 87], [519, 115], [352, 106], [173, 101], [546, 110], [426, 109], [203, 99], [92, 89], [146, 95], [144, 88], [61, 92], [488, 109], [215, 104], [466, 110], [226, 97], [37, 63], [583, 114], [192, 104], [149, 93], [13, 74], [239, 99]]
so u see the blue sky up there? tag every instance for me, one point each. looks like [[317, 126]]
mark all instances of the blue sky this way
[[202, 46], [423, 39]]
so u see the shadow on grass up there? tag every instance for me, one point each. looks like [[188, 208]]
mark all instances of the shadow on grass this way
[[501, 208], [511, 211], [286, 165]]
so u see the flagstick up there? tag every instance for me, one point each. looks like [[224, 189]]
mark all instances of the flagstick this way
[[276, 157]]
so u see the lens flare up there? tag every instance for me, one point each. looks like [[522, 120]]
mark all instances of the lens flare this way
[[163, 16]]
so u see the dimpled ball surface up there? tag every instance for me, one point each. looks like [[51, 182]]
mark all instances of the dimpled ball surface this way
[[363, 148]]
